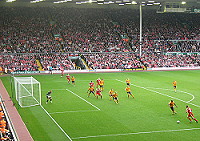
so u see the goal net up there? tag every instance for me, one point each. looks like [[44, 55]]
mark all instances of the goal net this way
[[28, 91]]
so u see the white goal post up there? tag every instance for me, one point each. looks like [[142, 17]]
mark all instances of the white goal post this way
[[28, 91]]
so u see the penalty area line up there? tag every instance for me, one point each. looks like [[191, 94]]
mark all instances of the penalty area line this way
[[83, 99], [136, 133], [162, 94], [193, 97]]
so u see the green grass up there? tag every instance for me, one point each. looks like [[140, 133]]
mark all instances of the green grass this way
[[145, 118]]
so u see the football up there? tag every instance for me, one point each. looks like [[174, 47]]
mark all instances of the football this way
[[178, 121]]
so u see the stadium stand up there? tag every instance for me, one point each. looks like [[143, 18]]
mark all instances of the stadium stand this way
[[159, 60], [56, 61], [113, 61], [51, 32]]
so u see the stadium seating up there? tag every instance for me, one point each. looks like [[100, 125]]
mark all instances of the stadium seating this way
[[105, 35]]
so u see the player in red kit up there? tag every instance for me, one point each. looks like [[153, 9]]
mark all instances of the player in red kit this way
[[190, 115], [98, 82], [62, 71], [91, 84], [68, 78], [98, 93]]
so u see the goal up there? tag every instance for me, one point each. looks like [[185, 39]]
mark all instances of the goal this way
[[28, 91]]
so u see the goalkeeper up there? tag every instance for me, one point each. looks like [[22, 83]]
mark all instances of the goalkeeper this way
[[49, 98]]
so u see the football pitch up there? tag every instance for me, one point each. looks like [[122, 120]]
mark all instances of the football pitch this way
[[147, 117]]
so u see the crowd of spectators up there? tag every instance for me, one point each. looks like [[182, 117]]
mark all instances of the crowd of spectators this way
[[26, 30], [171, 46], [156, 60], [53, 31], [113, 61], [56, 61], [27, 62], [18, 62]]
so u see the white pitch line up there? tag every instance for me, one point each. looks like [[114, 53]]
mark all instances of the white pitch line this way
[[55, 89], [177, 91], [161, 94], [73, 111], [136, 133], [83, 99], [56, 123], [189, 94]]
